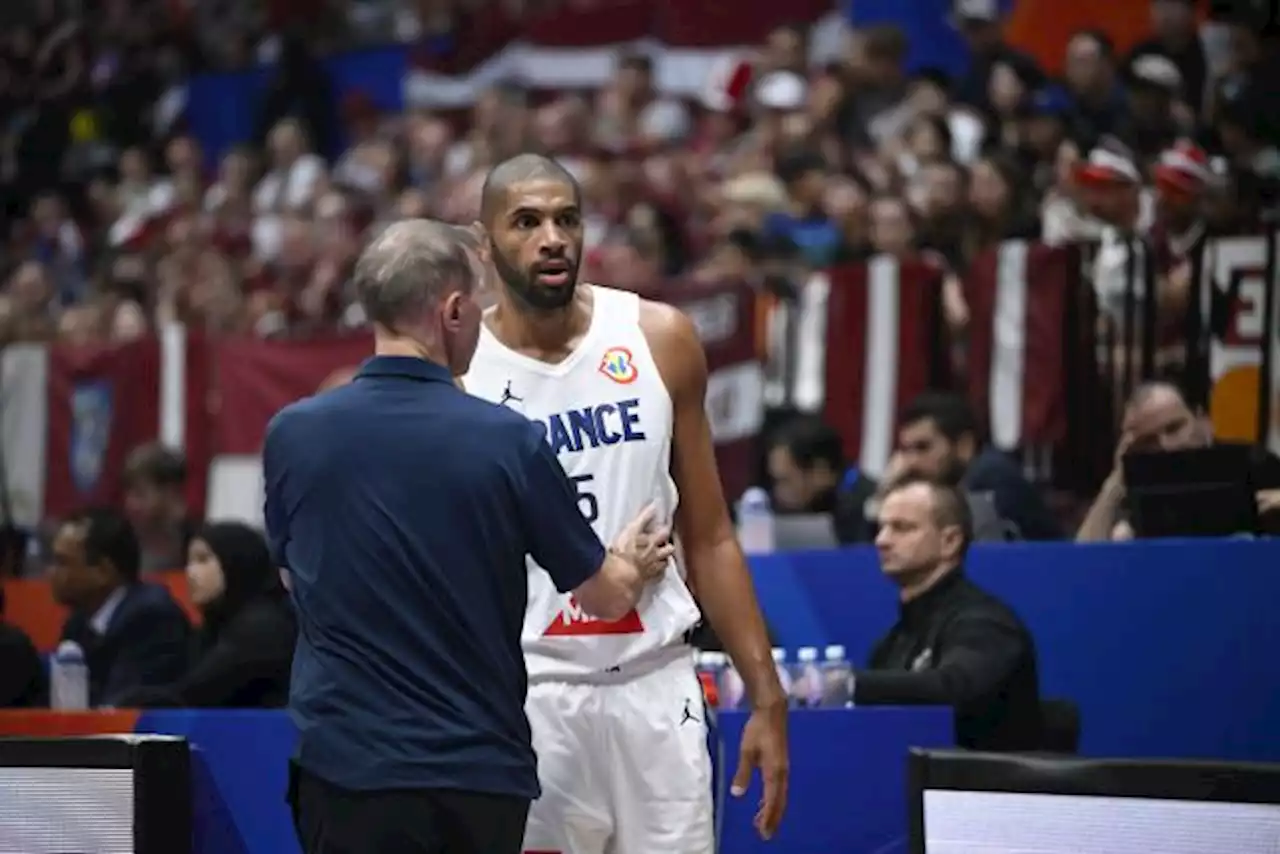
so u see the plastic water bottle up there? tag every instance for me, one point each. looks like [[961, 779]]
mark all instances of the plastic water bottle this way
[[755, 522], [784, 672], [711, 666], [732, 690], [807, 678], [837, 678], [69, 678]]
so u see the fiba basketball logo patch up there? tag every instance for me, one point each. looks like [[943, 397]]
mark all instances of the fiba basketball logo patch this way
[[617, 365]]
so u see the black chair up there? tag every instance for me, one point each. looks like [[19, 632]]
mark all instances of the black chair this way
[[1059, 726]]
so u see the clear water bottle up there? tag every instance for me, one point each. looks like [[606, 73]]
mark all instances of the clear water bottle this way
[[731, 688], [837, 678], [69, 678], [784, 672], [807, 678], [755, 522]]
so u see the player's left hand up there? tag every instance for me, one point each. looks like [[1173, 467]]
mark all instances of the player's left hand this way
[[764, 746]]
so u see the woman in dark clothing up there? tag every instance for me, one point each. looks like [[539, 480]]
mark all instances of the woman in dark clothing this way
[[245, 645]]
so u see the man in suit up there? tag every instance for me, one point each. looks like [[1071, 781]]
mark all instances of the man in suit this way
[[133, 633]]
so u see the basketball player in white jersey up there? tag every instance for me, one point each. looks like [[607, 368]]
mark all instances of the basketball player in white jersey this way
[[619, 385]]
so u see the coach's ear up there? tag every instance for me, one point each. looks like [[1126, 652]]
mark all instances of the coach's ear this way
[[451, 311]]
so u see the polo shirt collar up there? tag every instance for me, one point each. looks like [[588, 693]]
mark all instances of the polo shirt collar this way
[[408, 367]]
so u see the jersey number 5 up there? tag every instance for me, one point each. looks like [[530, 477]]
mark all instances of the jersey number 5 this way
[[587, 502]]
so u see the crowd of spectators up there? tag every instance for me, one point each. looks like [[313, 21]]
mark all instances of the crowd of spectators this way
[[114, 223]]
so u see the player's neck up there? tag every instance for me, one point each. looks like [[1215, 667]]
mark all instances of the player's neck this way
[[528, 329]]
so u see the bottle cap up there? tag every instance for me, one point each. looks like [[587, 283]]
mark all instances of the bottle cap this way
[[835, 652], [807, 653], [779, 655], [69, 649]]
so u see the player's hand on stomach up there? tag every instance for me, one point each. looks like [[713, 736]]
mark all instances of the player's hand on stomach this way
[[646, 543]]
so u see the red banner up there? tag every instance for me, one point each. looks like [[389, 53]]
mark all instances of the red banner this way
[[103, 402], [885, 344], [724, 316], [1018, 294], [256, 379]]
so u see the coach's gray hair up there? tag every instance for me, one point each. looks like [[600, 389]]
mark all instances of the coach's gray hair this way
[[408, 268]]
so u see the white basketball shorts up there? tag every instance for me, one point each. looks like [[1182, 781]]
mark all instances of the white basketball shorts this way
[[624, 766]]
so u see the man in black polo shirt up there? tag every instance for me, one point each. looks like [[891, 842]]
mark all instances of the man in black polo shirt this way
[[402, 510], [954, 644]]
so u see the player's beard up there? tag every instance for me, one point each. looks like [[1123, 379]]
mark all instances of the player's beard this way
[[523, 285]]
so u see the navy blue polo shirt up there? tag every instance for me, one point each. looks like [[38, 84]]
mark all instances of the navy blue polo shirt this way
[[403, 509]]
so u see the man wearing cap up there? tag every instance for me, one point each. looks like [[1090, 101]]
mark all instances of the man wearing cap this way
[[1111, 187], [1154, 119], [1175, 33]]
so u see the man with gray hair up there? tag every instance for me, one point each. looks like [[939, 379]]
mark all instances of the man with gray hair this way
[[402, 510]]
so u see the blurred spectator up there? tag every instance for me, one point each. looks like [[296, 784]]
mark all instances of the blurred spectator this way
[[244, 647], [873, 110], [155, 481], [1092, 79], [1174, 34], [981, 24], [133, 633], [299, 90], [1155, 117], [938, 439], [805, 224], [23, 682], [809, 475], [1158, 419]]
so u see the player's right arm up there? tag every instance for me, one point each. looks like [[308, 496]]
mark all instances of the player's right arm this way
[[607, 583]]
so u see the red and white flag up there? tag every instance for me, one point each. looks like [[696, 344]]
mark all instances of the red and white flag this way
[[1019, 295], [869, 339], [576, 46]]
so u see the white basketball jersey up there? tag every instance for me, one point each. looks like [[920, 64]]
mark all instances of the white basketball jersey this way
[[608, 416]]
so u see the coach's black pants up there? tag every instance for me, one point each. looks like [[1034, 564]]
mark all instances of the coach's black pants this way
[[332, 820]]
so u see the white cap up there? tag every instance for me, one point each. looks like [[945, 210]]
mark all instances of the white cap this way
[[68, 649], [711, 658], [807, 654], [835, 652], [779, 655], [1159, 71], [782, 90], [976, 10]]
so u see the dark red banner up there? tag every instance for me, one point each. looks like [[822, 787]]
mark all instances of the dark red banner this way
[[103, 402], [256, 379]]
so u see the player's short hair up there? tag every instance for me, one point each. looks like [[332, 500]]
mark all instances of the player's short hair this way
[[155, 464], [950, 504], [109, 538], [408, 268], [518, 169]]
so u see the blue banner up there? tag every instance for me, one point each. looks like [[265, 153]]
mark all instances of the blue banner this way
[[223, 109], [1167, 647]]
